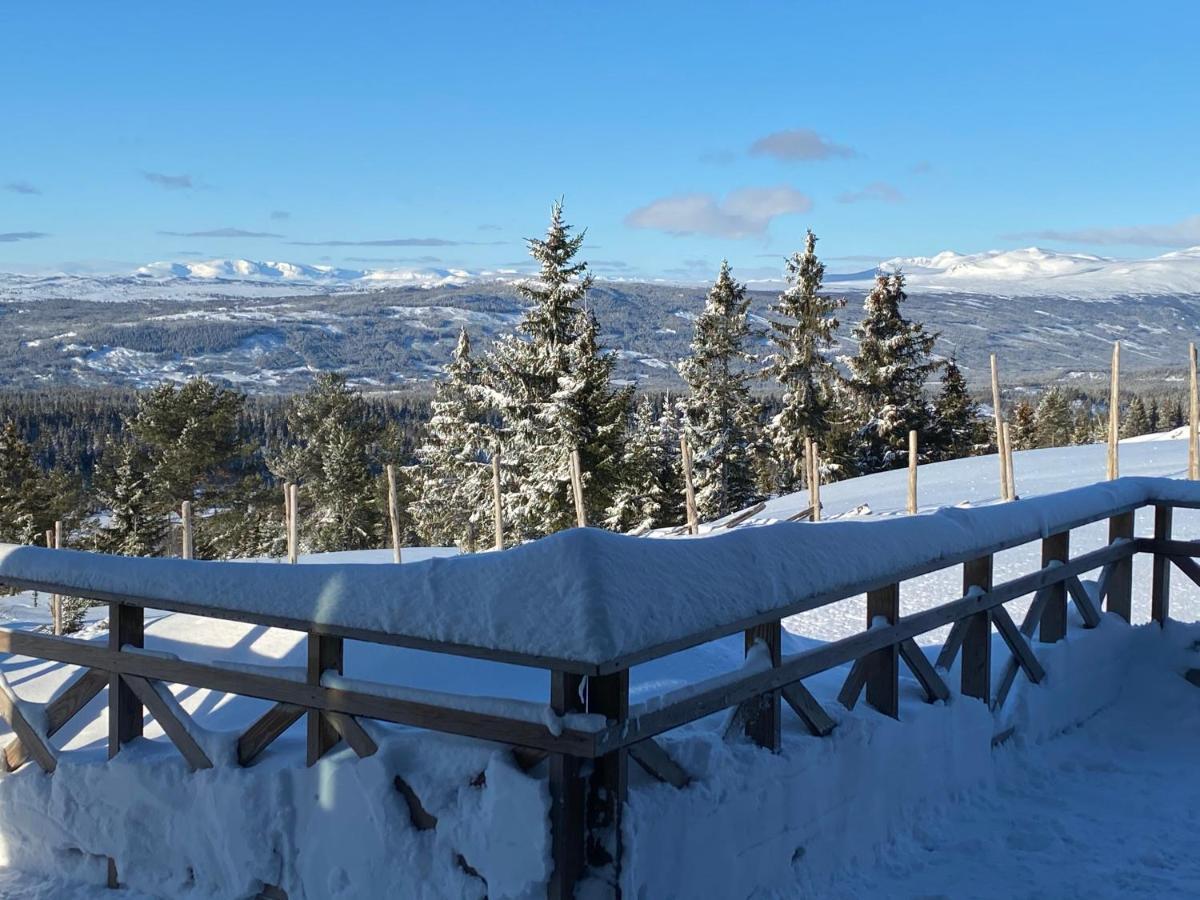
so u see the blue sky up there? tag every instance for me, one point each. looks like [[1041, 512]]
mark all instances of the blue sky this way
[[393, 135]]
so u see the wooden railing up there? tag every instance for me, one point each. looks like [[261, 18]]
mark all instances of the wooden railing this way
[[586, 812]]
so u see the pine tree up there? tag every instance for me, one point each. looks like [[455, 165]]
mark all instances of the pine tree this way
[[1136, 421], [332, 461], [454, 478], [551, 386], [1052, 420], [1154, 417], [1176, 417], [721, 416], [20, 488], [135, 526], [670, 472], [955, 424], [1083, 430], [1022, 431], [802, 331], [888, 375], [638, 503]]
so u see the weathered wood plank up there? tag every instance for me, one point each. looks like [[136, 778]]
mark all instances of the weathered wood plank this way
[[1188, 567], [764, 718], [1029, 624], [169, 721], [269, 726], [325, 654], [1083, 602], [883, 666], [918, 664], [608, 696], [421, 818], [126, 627], [975, 676], [567, 796], [1055, 549], [657, 762], [954, 640], [33, 742], [1120, 582], [352, 732], [1160, 568], [1018, 645], [853, 686], [809, 709], [80, 692]]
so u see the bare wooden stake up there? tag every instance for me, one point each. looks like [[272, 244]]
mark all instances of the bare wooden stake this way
[[816, 482], [293, 528], [394, 512], [577, 489], [1114, 412], [497, 501], [999, 416], [1009, 469], [1193, 418], [685, 451], [912, 471], [56, 600], [185, 520]]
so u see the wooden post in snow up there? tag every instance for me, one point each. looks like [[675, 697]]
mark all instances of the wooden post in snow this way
[[1114, 412], [685, 453], [56, 600], [912, 471], [497, 502], [1193, 418], [577, 489], [186, 547], [999, 431], [1010, 484], [393, 512], [293, 503], [815, 483]]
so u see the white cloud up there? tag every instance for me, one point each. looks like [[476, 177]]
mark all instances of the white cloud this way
[[1184, 233], [799, 144], [746, 212]]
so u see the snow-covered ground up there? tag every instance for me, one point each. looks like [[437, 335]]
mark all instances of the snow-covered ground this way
[[917, 807]]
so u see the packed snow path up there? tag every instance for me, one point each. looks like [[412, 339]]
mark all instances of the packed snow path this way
[[1110, 808]]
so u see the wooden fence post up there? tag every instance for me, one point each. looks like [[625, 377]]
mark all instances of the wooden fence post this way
[[324, 654], [976, 675], [293, 503], [1119, 598], [608, 696], [1160, 568], [56, 600], [1114, 412], [1009, 471], [567, 796], [1053, 627], [126, 627], [1193, 417], [883, 666], [693, 521], [815, 484], [497, 501], [394, 512], [577, 489], [912, 472], [764, 727], [186, 546], [999, 416]]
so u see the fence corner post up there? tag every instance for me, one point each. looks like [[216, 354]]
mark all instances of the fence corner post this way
[[764, 726], [324, 654], [567, 799], [976, 674], [1119, 599], [126, 627], [1053, 626], [883, 666], [1160, 577], [608, 696]]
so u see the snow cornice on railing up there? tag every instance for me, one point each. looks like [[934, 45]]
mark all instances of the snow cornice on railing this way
[[585, 596]]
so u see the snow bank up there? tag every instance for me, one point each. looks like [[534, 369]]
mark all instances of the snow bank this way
[[587, 595]]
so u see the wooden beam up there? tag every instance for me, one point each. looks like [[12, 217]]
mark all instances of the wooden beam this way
[[1055, 548], [1160, 568], [763, 721], [1083, 602], [999, 423], [497, 501], [818, 722], [1029, 625], [421, 818], [853, 686], [394, 512], [912, 472], [1009, 469], [1193, 416], [576, 467], [1021, 650], [126, 628], [1188, 567], [324, 655], [70, 699], [170, 720], [567, 796], [657, 763], [269, 726], [816, 482], [352, 732], [976, 672], [689, 488], [1120, 583], [34, 744], [187, 545], [1114, 413], [954, 642], [883, 666], [918, 664], [608, 696]]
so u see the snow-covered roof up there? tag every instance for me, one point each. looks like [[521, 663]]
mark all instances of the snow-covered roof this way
[[586, 595]]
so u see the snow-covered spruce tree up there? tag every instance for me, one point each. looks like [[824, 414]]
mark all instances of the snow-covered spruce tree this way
[[551, 386], [1175, 414], [453, 480], [670, 471], [955, 430], [1154, 416], [888, 375], [135, 525], [722, 418], [332, 462], [1136, 420], [1023, 431], [1083, 428], [638, 502], [1052, 418], [802, 331], [20, 488]]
